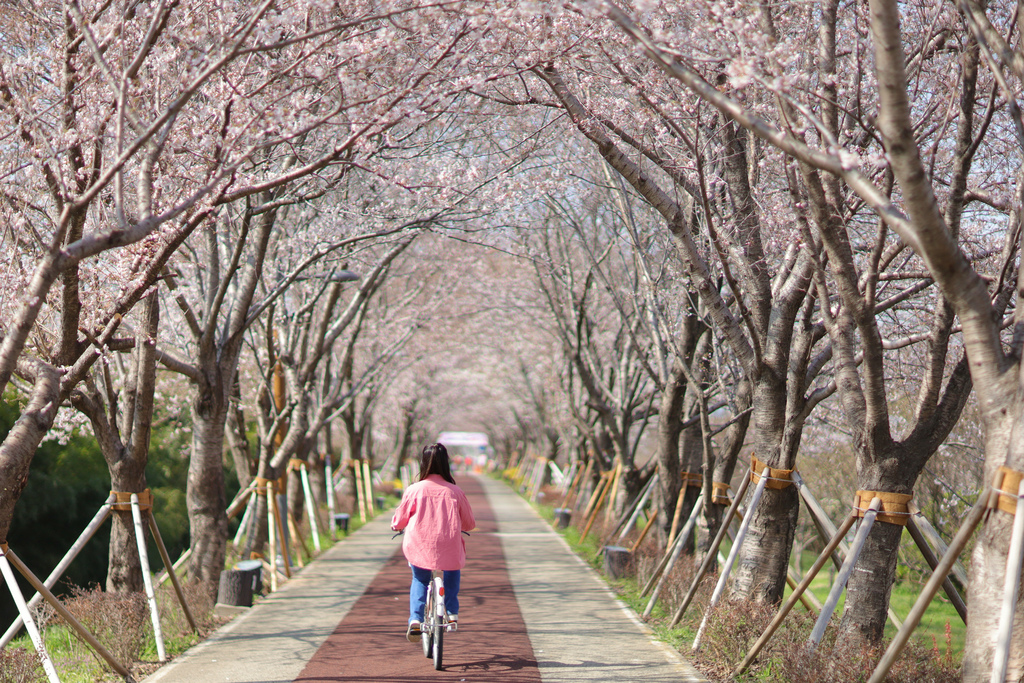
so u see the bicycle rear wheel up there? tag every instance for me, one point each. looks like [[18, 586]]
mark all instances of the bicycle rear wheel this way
[[438, 645], [427, 628]]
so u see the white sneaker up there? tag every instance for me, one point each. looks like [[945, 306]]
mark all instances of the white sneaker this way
[[413, 633]]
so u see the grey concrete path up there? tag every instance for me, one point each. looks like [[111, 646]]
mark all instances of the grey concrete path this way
[[578, 629], [272, 641]]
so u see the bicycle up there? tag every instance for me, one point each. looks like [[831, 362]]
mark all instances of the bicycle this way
[[435, 617], [435, 620]]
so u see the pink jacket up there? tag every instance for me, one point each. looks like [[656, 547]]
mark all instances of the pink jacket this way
[[433, 514]]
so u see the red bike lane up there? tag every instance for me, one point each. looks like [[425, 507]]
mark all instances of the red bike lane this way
[[491, 644]]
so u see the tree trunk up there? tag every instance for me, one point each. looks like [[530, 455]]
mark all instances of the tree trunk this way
[[760, 574], [21, 442], [670, 425], [1004, 442], [205, 495]]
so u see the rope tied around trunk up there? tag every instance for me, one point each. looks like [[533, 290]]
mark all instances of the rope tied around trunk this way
[[1007, 489], [777, 478], [691, 479], [895, 506], [296, 464], [261, 486], [720, 492], [123, 500]]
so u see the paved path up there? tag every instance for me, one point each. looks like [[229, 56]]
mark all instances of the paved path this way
[[531, 612]]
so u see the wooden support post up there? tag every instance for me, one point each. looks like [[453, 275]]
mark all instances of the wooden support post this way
[[597, 508], [818, 632], [929, 556], [329, 485], [632, 512], [596, 493], [298, 542], [935, 541], [582, 484], [58, 571], [368, 482], [780, 616], [1011, 589], [26, 615], [956, 546], [677, 514], [147, 578], [712, 552], [616, 482], [357, 480], [733, 552], [314, 527], [250, 510], [162, 549], [272, 537], [67, 616], [643, 534], [691, 522], [240, 500], [282, 537]]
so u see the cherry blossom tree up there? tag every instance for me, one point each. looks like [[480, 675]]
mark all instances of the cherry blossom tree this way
[[920, 200]]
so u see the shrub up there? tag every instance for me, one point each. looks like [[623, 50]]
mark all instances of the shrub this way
[[118, 620], [18, 665]]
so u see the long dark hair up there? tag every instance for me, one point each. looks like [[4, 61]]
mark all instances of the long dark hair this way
[[434, 460]]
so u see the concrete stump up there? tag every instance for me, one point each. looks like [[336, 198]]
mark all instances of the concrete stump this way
[[341, 521], [562, 517], [616, 561]]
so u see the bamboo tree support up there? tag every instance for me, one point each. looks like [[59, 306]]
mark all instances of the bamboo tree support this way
[[616, 482], [643, 534], [596, 493], [164, 574], [76, 625], [669, 549], [241, 499], [147, 578], [272, 537], [281, 535], [578, 498], [243, 524], [733, 552], [826, 530], [677, 550], [956, 546], [597, 506], [329, 485], [368, 482], [638, 507], [577, 477], [790, 603], [58, 571], [712, 553], [569, 478], [929, 556], [26, 615], [678, 512], [1011, 589], [314, 527], [537, 472], [357, 478], [298, 542], [818, 632], [166, 558], [935, 541]]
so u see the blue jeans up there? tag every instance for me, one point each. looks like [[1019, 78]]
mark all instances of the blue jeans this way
[[420, 586]]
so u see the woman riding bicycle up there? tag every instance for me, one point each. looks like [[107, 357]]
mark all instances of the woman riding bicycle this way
[[433, 513]]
